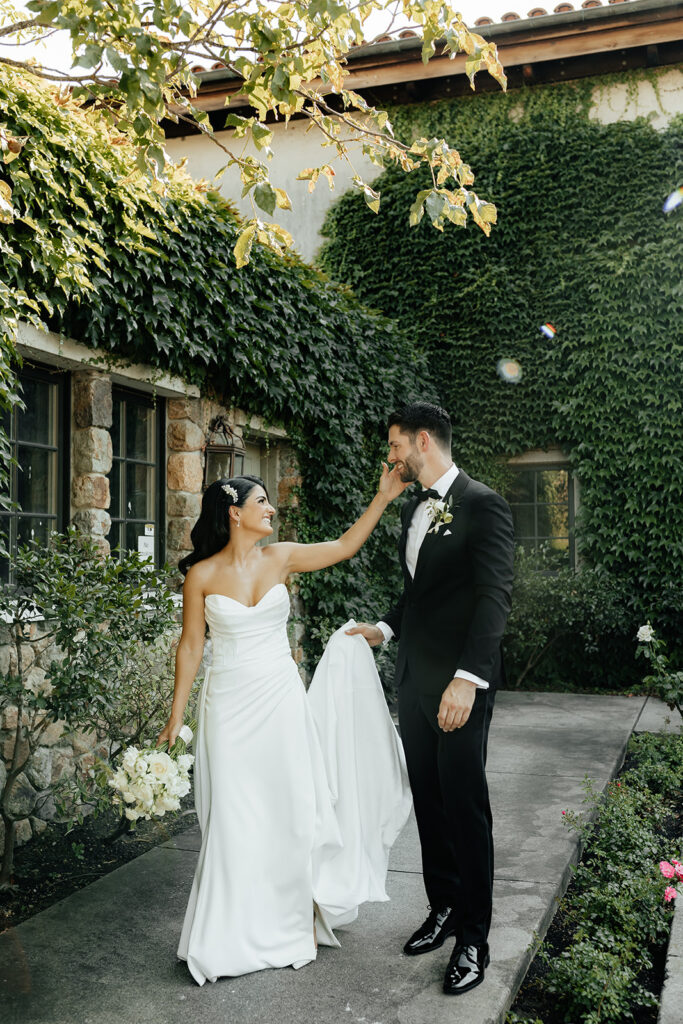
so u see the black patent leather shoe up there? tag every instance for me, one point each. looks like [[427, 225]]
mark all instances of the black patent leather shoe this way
[[465, 969], [439, 926]]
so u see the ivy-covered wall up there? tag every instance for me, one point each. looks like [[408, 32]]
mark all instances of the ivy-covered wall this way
[[146, 271], [581, 242]]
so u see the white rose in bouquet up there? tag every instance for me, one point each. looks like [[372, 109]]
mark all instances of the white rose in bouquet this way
[[150, 781], [130, 759], [159, 764]]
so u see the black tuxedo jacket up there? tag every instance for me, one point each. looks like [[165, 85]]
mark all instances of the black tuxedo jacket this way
[[452, 614]]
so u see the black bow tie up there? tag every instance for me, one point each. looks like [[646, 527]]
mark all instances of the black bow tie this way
[[429, 492]]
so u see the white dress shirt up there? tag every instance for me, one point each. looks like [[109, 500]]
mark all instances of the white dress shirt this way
[[417, 531]]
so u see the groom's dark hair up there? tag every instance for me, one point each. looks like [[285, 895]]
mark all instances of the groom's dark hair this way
[[411, 419]]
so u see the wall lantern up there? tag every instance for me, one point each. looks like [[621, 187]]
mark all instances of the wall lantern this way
[[224, 452]]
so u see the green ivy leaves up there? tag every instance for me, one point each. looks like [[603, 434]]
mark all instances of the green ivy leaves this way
[[578, 242]]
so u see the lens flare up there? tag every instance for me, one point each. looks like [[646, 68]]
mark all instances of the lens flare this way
[[548, 331], [509, 370], [674, 200]]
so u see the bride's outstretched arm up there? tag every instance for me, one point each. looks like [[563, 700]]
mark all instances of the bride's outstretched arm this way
[[309, 557], [188, 654]]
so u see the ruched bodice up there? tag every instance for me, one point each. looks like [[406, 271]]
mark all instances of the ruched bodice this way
[[273, 844], [244, 633]]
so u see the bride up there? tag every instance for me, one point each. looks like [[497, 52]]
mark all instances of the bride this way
[[278, 838]]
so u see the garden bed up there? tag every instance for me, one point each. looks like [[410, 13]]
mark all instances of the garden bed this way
[[604, 955], [64, 859]]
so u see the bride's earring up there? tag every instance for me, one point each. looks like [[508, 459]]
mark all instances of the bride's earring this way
[[238, 522]]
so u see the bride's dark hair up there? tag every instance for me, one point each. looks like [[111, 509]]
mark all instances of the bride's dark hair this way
[[211, 532]]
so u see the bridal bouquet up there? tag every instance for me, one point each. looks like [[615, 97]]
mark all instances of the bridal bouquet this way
[[151, 781]]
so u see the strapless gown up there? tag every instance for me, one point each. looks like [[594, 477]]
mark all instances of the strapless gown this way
[[299, 795]]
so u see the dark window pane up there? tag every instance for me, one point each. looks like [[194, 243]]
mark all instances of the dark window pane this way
[[34, 528], [523, 520], [522, 487], [36, 480], [239, 465], [553, 485], [4, 536], [139, 492], [114, 536], [553, 520], [139, 431], [38, 420], [133, 531], [116, 427], [115, 490]]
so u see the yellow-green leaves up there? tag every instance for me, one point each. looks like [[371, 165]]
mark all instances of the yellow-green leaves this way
[[137, 60], [371, 197], [441, 205], [270, 235], [245, 241], [311, 175], [6, 211]]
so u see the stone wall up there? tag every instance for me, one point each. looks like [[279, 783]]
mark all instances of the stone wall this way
[[60, 751], [91, 451]]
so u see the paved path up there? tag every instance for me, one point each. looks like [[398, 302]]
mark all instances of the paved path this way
[[106, 955]]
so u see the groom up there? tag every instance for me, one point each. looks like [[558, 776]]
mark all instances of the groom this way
[[449, 621]]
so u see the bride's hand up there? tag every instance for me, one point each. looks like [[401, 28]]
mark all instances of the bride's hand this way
[[169, 733], [390, 484]]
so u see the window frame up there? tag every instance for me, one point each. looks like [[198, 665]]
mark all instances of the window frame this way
[[61, 379], [538, 461], [158, 405]]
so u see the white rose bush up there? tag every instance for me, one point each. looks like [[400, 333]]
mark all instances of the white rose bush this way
[[151, 781], [663, 680]]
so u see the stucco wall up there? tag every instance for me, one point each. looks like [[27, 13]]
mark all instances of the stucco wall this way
[[295, 148]]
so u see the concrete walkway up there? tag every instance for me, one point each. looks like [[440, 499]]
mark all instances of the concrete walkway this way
[[106, 955]]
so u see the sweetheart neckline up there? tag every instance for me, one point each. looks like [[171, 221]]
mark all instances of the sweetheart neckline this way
[[241, 603]]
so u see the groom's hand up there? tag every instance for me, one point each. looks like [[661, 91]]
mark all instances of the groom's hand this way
[[373, 634], [456, 704]]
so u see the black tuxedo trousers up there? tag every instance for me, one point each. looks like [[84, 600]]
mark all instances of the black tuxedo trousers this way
[[447, 772]]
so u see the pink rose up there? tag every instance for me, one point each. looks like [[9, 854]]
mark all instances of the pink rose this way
[[679, 871], [667, 869], [670, 894]]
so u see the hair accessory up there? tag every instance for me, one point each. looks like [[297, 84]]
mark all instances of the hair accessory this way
[[231, 492]]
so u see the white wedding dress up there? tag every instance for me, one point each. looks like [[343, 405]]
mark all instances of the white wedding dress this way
[[299, 795]]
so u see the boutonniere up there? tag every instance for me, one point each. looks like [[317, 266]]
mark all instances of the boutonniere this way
[[440, 513]]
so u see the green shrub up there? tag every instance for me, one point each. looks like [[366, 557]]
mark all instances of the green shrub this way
[[656, 764], [596, 985], [614, 908], [567, 629], [99, 613]]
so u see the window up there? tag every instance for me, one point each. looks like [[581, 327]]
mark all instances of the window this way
[[261, 459], [37, 435], [135, 482], [542, 499]]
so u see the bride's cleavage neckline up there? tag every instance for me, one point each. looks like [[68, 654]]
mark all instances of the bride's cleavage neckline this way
[[241, 603]]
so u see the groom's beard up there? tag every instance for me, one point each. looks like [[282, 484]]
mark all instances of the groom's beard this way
[[410, 469]]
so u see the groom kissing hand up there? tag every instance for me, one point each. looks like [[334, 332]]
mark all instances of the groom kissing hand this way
[[456, 554]]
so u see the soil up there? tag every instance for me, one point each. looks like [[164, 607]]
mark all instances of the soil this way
[[61, 860]]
